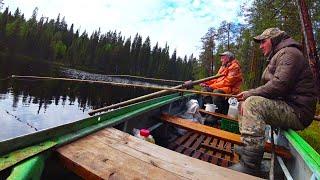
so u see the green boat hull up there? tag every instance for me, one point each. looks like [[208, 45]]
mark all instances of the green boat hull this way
[[304, 165]]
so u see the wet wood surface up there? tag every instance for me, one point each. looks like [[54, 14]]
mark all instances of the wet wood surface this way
[[113, 154]]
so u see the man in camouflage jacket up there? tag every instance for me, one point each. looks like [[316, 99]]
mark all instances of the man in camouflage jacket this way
[[286, 100]]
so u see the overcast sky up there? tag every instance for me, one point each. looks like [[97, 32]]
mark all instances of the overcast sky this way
[[180, 23]]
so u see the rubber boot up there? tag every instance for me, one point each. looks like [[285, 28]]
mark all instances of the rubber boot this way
[[250, 161]]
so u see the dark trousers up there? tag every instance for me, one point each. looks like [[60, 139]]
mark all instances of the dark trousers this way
[[219, 101]]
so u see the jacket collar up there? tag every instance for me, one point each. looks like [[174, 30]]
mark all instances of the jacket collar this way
[[282, 43]]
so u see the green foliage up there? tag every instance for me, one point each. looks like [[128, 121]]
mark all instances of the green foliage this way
[[264, 14], [59, 49], [110, 52], [311, 135], [260, 15]]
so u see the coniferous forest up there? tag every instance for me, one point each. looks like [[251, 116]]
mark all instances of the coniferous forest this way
[[109, 53], [58, 42], [262, 14], [55, 41]]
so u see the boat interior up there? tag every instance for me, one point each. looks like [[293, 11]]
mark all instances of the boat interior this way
[[171, 131], [183, 148]]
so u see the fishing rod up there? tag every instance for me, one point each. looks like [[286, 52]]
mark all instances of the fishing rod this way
[[124, 85], [144, 97], [146, 78], [174, 89], [163, 89]]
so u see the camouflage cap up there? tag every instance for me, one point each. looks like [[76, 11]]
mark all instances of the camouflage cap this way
[[268, 33], [227, 53]]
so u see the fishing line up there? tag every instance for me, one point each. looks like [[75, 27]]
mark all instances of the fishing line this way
[[3, 79]]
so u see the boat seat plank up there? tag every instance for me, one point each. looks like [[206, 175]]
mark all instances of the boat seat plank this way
[[110, 153], [199, 128], [92, 159], [218, 133]]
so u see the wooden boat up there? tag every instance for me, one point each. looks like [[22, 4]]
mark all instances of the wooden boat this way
[[102, 147]]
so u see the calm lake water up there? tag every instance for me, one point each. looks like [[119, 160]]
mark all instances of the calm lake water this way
[[28, 105]]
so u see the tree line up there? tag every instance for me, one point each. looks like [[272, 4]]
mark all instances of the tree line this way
[[111, 53], [237, 37], [107, 53]]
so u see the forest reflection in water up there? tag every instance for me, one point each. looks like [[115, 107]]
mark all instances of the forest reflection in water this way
[[31, 105]]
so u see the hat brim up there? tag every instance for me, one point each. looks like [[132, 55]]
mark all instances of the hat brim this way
[[259, 38]]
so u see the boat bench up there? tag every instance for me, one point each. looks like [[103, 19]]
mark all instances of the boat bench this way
[[113, 154], [218, 133]]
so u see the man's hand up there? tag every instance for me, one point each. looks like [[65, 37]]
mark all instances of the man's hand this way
[[187, 84], [203, 85], [242, 96]]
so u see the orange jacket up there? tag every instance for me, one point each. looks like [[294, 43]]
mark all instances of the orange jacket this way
[[231, 81]]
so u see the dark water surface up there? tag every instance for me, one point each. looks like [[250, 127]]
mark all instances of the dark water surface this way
[[31, 105]]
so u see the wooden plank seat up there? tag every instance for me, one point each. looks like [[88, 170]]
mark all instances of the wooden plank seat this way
[[218, 133], [113, 154]]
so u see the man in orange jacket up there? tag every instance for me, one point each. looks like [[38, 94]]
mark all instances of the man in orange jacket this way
[[229, 83]]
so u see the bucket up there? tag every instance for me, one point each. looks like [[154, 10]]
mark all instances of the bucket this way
[[210, 107]]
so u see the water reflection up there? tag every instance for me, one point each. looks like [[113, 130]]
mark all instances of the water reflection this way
[[27, 105]]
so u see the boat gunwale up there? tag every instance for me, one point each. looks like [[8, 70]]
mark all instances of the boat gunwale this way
[[307, 153], [124, 113], [83, 127]]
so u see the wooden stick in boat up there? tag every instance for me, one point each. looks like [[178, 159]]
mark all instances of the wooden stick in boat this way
[[134, 100]]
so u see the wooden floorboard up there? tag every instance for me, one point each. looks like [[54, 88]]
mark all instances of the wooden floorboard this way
[[218, 133], [112, 154]]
